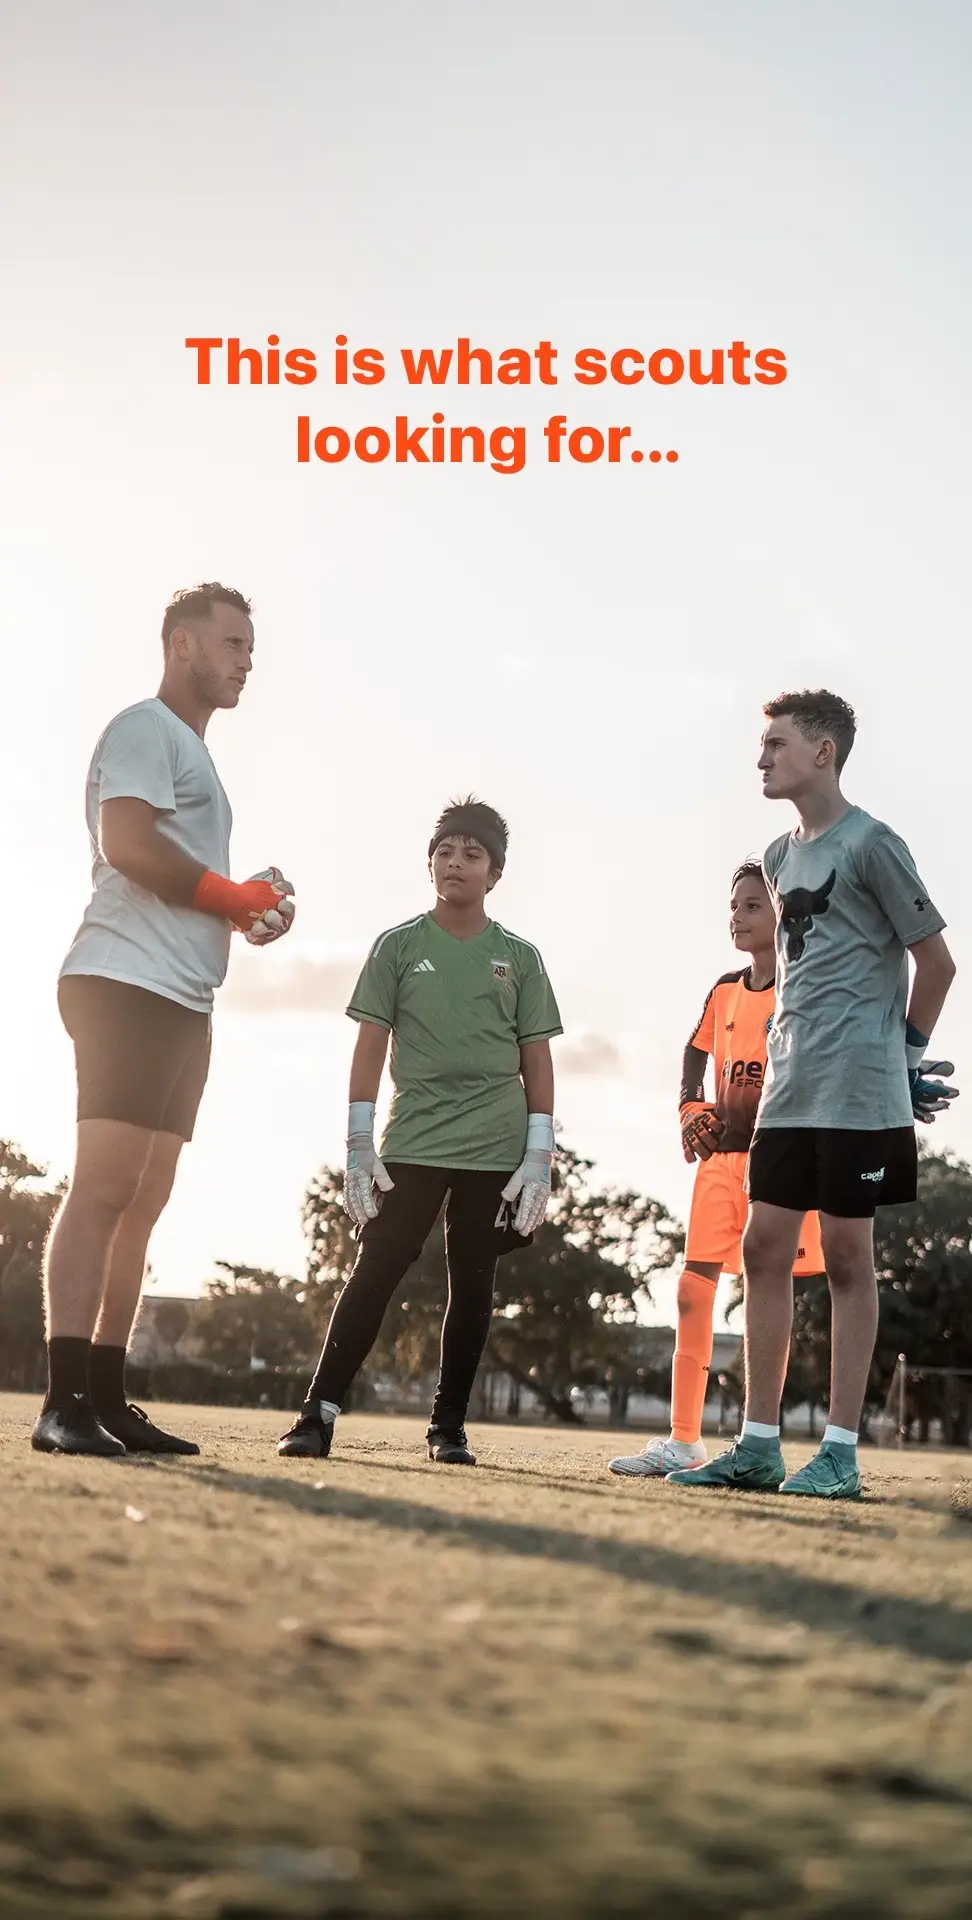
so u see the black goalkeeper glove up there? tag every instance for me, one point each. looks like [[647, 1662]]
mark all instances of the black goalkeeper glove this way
[[702, 1130], [929, 1095]]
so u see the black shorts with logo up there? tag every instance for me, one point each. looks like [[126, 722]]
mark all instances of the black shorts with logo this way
[[140, 1057], [834, 1170]]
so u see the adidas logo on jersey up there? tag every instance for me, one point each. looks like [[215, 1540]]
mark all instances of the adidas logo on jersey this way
[[423, 966]]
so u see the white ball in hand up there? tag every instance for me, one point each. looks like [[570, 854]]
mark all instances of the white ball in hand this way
[[269, 927]]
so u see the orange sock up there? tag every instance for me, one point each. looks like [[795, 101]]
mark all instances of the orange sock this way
[[693, 1352]]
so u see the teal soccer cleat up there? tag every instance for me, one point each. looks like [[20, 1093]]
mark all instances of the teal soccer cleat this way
[[748, 1468], [830, 1475]]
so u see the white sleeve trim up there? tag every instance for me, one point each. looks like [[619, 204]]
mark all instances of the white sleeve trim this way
[[402, 927], [518, 937]]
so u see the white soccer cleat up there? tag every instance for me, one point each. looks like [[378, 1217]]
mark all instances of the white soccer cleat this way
[[660, 1457]]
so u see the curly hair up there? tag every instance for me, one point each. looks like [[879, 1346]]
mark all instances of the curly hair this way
[[818, 715], [195, 603]]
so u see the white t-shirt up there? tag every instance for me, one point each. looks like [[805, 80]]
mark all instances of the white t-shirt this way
[[148, 753]]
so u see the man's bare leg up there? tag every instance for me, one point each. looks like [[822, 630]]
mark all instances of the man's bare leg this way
[[129, 1248], [111, 1158], [119, 1306]]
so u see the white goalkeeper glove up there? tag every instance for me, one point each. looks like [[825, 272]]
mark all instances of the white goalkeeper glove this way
[[929, 1095], [531, 1181], [363, 1171], [278, 920]]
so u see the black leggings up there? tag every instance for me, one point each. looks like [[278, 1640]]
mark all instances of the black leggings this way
[[387, 1248]]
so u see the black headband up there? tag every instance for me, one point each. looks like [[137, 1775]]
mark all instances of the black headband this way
[[464, 824]]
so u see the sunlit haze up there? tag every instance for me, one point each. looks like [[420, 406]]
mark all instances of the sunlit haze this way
[[586, 647]]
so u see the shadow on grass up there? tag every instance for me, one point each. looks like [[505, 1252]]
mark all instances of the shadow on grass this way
[[929, 1629], [490, 1471], [617, 1489]]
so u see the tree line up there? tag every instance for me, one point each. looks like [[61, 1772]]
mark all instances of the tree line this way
[[567, 1311]]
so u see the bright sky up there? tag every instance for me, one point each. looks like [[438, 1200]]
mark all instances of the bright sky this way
[[587, 647]]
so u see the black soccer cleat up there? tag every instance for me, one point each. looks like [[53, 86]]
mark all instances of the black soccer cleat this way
[[74, 1427], [138, 1434], [449, 1446], [309, 1438]]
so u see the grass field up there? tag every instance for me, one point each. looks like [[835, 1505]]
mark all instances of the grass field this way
[[237, 1686]]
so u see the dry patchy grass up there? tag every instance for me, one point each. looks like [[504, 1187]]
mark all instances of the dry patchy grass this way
[[378, 1687]]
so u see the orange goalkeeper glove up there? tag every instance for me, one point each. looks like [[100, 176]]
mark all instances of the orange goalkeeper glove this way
[[273, 925], [702, 1130], [240, 902]]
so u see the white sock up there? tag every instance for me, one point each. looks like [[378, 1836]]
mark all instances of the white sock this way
[[840, 1436], [758, 1430], [328, 1411]]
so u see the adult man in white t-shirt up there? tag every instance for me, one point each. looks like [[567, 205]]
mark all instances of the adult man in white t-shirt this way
[[136, 996]]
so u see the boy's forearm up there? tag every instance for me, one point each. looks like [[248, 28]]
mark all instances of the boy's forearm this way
[[694, 1063], [367, 1063], [934, 973], [536, 1069]]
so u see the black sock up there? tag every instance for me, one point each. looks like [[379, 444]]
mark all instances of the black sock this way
[[106, 1373], [67, 1368]]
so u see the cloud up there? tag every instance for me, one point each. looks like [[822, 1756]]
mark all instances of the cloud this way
[[261, 985], [589, 1053]]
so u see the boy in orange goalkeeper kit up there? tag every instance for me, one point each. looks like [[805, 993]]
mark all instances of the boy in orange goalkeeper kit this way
[[735, 1021]]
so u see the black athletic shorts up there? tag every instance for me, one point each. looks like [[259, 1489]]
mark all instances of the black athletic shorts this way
[[834, 1169], [140, 1057]]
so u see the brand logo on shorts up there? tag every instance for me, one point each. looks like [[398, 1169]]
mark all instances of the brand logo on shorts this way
[[877, 1175], [423, 966], [501, 969]]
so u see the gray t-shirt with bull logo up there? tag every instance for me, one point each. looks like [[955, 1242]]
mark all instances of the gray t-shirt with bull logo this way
[[848, 905]]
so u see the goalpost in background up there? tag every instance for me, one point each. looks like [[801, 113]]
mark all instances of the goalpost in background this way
[[926, 1406]]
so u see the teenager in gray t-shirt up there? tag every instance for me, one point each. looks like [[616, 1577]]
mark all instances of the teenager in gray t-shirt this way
[[845, 1083], [849, 903]]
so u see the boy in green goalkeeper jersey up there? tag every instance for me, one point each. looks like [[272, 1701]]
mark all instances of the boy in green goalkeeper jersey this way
[[471, 1014]]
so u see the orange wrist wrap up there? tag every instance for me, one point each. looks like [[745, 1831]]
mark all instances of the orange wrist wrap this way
[[215, 894]]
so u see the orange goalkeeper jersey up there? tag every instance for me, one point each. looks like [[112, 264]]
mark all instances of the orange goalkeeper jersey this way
[[733, 1028]]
